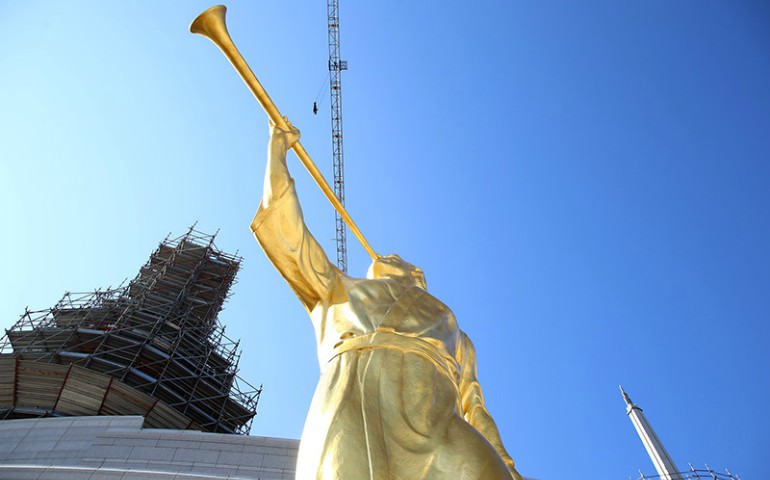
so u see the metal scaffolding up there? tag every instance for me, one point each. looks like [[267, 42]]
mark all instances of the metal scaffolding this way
[[153, 347], [693, 474]]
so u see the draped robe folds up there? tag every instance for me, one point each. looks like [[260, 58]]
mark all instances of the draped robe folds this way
[[398, 396]]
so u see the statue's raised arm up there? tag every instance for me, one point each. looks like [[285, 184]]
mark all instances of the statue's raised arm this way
[[280, 229]]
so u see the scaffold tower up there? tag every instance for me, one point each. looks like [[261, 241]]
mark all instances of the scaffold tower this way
[[153, 347], [336, 66], [693, 473]]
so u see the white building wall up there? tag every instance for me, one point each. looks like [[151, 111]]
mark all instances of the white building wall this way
[[118, 448]]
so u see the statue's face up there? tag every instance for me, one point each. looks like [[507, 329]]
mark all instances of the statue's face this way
[[394, 267]]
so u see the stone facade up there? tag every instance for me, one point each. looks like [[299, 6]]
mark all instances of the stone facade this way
[[100, 448]]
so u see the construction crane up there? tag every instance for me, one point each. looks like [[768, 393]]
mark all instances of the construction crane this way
[[336, 66]]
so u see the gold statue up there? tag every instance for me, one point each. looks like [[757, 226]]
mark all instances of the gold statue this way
[[398, 396]]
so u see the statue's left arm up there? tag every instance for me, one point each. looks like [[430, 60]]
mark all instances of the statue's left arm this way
[[474, 409], [280, 229]]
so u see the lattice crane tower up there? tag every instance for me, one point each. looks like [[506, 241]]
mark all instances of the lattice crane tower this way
[[336, 66]]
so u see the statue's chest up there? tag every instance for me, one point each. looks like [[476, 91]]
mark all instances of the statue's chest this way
[[380, 305]]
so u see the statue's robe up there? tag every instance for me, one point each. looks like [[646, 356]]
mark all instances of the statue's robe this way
[[398, 396]]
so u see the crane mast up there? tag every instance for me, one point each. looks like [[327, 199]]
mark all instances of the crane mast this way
[[336, 66]]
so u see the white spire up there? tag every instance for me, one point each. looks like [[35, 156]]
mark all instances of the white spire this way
[[660, 458]]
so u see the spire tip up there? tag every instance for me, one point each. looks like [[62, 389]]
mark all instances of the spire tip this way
[[626, 397]]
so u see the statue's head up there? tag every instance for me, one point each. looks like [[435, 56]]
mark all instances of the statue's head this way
[[394, 267]]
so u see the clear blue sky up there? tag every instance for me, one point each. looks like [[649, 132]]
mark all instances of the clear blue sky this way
[[584, 183]]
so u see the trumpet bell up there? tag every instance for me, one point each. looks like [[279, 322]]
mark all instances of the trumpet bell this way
[[211, 23]]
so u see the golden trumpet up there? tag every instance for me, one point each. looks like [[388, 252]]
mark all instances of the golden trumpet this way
[[211, 24]]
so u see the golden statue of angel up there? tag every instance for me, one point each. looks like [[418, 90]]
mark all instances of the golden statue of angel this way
[[398, 396]]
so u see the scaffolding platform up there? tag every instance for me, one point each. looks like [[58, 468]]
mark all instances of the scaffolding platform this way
[[692, 474], [153, 347]]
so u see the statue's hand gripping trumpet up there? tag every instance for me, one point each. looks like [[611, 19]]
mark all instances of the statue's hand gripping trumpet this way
[[398, 396]]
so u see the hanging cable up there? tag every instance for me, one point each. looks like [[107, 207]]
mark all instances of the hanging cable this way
[[320, 92]]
